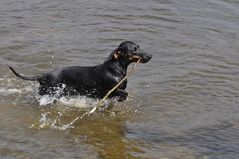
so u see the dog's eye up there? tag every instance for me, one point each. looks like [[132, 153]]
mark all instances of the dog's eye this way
[[135, 48]]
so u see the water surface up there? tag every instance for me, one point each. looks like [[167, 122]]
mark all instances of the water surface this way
[[183, 103]]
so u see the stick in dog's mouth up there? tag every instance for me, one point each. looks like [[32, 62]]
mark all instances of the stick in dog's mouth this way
[[136, 58]]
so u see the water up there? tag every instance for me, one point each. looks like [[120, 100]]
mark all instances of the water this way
[[183, 103]]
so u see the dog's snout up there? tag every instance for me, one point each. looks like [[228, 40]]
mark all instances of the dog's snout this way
[[145, 57]]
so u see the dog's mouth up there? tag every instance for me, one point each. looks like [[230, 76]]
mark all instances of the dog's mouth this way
[[135, 58], [143, 57]]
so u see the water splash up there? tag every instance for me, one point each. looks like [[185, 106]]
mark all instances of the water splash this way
[[55, 112], [71, 101], [55, 123], [67, 111]]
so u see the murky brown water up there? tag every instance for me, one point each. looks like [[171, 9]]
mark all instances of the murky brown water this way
[[183, 104]]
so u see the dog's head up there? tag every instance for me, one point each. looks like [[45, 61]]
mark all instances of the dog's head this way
[[129, 52]]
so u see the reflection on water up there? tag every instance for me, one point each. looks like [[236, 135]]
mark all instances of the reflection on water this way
[[183, 103], [107, 135]]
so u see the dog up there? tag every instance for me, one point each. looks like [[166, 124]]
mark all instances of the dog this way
[[91, 81]]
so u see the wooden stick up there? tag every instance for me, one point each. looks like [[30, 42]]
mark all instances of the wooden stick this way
[[98, 105]]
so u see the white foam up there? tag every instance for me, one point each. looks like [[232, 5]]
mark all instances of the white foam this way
[[45, 100], [73, 101], [78, 101]]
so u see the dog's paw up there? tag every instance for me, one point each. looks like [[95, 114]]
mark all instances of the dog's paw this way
[[122, 95]]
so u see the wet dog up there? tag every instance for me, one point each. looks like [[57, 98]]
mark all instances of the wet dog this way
[[91, 81]]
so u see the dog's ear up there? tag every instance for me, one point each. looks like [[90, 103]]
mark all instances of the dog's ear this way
[[116, 54]]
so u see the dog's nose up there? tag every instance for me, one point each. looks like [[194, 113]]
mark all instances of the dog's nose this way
[[149, 56]]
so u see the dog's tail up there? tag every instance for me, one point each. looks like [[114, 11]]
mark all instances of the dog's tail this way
[[33, 78]]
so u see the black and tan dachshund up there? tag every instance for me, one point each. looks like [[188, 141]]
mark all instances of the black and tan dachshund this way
[[92, 81]]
